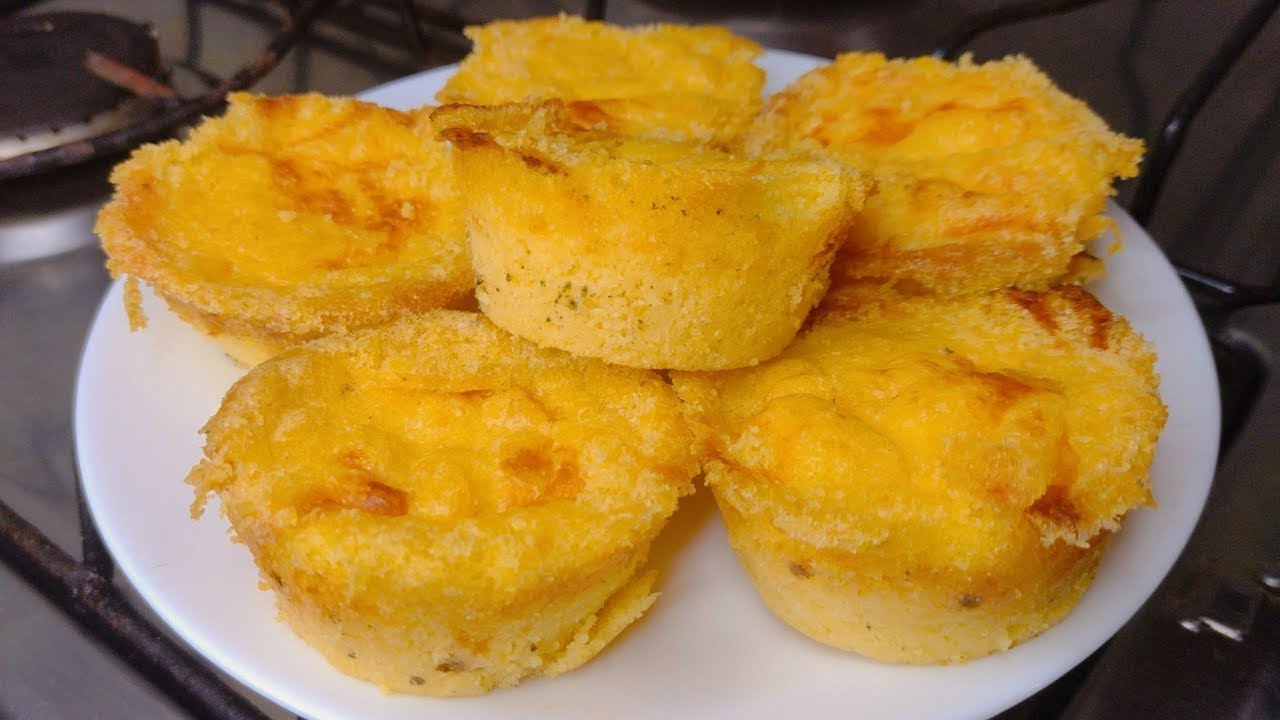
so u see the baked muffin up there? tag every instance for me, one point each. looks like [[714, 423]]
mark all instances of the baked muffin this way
[[930, 480], [290, 218], [690, 82], [442, 508], [988, 176], [638, 251]]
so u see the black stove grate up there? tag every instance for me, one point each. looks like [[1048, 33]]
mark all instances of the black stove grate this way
[[179, 111], [83, 589]]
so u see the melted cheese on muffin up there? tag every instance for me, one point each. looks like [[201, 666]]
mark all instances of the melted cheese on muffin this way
[[988, 175], [443, 508], [290, 218], [906, 453]]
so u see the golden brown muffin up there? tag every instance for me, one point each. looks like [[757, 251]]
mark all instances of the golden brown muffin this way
[[931, 480], [641, 252], [290, 218], [442, 508], [988, 175], [689, 82]]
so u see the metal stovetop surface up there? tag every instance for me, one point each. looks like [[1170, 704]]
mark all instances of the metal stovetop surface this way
[[1205, 646]]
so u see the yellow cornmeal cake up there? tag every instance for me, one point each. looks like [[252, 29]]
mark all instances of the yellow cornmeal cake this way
[[641, 252], [988, 175], [290, 218], [442, 508], [689, 82], [930, 480]]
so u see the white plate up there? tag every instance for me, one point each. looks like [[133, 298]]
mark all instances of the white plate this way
[[709, 648]]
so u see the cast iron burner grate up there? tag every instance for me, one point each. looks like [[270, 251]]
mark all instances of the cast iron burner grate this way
[[84, 590], [177, 111], [55, 81]]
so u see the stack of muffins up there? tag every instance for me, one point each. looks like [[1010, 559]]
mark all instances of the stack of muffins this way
[[919, 456]]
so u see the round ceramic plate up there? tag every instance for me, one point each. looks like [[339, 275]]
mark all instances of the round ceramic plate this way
[[708, 648]]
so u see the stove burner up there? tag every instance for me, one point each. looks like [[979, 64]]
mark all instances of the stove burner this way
[[63, 76], [49, 96]]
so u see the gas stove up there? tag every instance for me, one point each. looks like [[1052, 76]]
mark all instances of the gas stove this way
[[1197, 83]]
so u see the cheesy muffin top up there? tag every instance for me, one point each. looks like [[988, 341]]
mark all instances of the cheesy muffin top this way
[[296, 215], [938, 427], [696, 82], [874, 111], [441, 456], [988, 175]]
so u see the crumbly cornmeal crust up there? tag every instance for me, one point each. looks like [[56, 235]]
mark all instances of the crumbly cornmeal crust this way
[[442, 508], [689, 82], [639, 251], [290, 218], [926, 480], [987, 174]]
